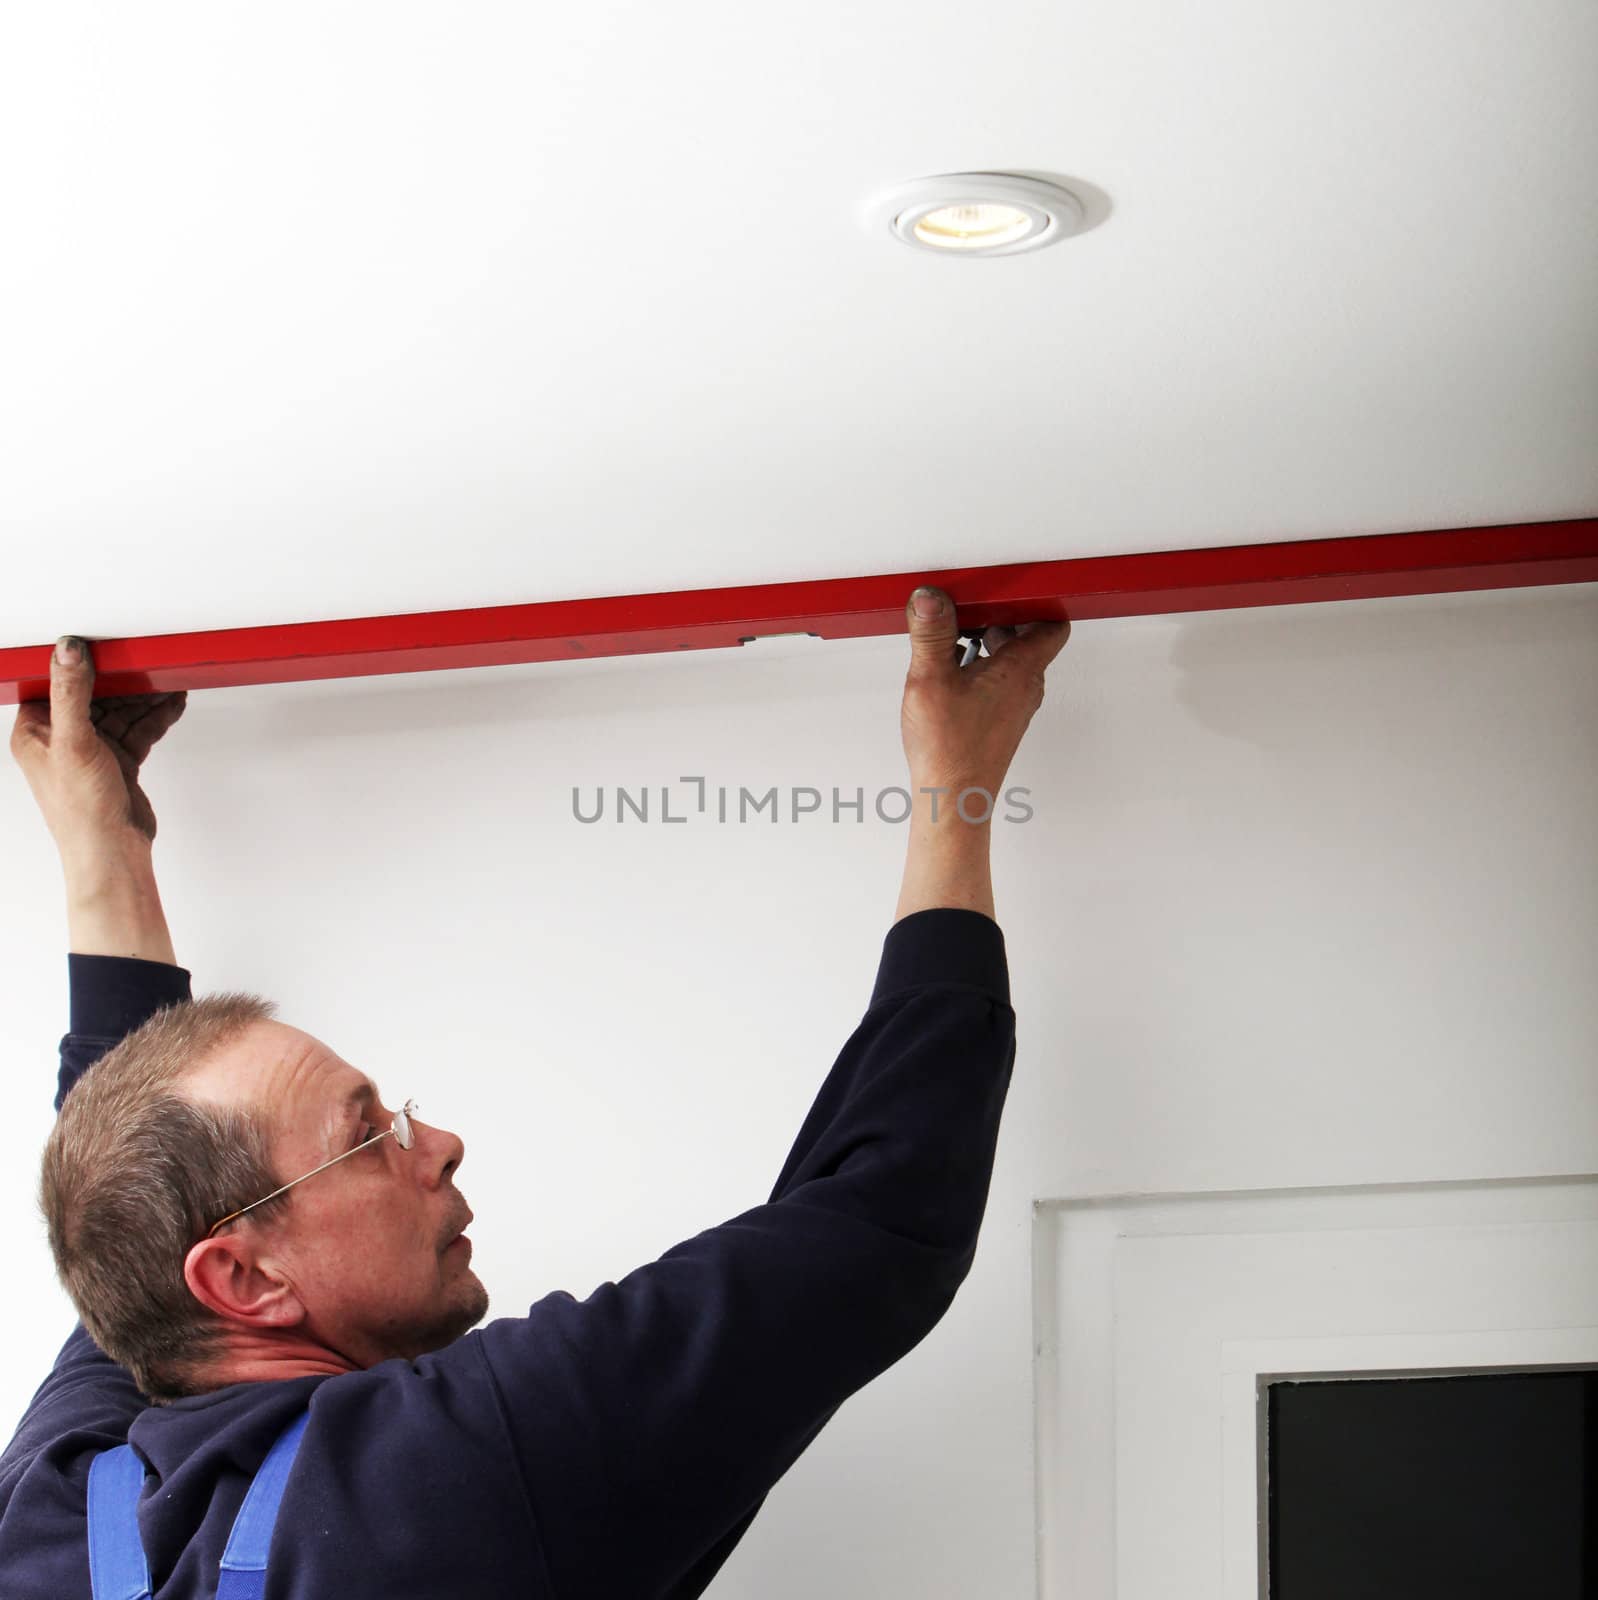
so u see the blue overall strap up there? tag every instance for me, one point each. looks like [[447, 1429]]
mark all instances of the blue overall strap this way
[[117, 1568], [243, 1575]]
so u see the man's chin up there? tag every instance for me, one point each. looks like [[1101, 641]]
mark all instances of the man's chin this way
[[476, 1306], [468, 1306]]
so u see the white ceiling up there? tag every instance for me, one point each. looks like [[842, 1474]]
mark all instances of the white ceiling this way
[[340, 309]]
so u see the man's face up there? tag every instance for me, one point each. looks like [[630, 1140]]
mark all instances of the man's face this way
[[372, 1247]]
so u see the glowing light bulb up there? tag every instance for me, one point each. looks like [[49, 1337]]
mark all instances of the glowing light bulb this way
[[973, 227]]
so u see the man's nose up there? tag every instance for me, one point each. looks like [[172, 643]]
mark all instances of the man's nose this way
[[445, 1152]]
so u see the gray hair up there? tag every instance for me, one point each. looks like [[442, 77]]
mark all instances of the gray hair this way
[[134, 1175]]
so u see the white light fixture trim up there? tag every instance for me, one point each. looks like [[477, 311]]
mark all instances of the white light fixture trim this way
[[977, 213]]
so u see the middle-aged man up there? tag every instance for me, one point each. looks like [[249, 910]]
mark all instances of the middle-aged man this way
[[276, 1289]]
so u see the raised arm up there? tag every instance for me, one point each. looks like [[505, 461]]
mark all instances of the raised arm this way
[[653, 1418], [961, 728], [81, 758]]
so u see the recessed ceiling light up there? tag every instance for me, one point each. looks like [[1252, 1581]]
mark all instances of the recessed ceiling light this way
[[977, 213]]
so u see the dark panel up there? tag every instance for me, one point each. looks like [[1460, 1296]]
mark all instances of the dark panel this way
[[1456, 1488]]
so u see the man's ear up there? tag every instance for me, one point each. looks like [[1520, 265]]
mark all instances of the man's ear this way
[[224, 1276]]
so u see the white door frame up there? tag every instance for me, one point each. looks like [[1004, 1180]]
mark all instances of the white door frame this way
[[1160, 1320]]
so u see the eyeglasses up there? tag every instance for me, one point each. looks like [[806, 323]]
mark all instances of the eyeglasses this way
[[404, 1137]]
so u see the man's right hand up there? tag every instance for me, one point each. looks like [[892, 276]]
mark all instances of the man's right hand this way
[[81, 757], [963, 725]]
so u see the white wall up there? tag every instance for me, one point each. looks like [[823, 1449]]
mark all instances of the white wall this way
[[1307, 898]]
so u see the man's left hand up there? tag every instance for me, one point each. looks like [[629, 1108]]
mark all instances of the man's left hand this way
[[81, 756]]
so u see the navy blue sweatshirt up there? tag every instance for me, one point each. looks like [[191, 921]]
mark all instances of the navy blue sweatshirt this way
[[615, 1448]]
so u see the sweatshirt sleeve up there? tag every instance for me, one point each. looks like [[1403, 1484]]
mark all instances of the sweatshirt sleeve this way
[[652, 1419], [109, 997]]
